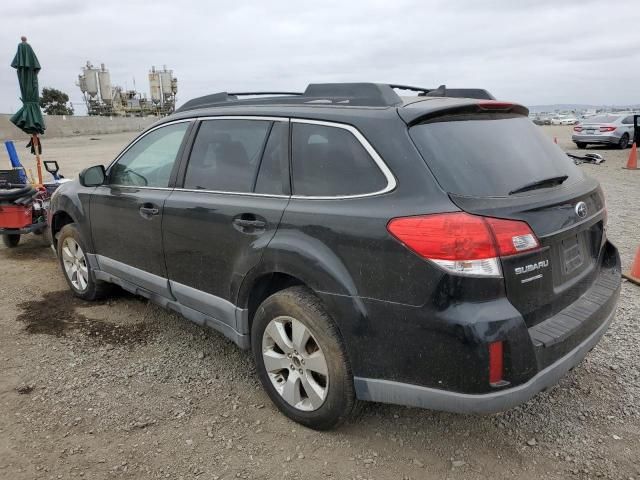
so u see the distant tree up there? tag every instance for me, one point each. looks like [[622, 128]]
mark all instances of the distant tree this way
[[54, 102]]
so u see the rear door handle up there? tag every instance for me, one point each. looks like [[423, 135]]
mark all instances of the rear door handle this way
[[249, 223], [149, 210], [242, 222]]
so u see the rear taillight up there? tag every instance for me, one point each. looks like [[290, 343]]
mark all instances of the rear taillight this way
[[577, 128], [607, 129], [463, 243]]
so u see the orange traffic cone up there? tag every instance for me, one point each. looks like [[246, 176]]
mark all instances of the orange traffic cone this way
[[632, 163], [634, 273]]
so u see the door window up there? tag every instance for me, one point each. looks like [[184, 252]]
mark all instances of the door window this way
[[149, 162], [226, 155], [330, 161]]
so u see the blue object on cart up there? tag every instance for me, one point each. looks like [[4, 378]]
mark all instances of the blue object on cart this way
[[15, 161]]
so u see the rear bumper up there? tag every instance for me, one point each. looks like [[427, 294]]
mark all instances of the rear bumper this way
[[416, 396], [438, 357], [606, 138]]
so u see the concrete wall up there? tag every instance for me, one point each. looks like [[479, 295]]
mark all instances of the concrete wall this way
[[66, 126]]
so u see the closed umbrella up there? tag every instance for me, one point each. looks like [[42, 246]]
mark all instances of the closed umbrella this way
[[29, 117]]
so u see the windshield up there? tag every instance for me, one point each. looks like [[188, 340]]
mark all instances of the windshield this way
[[490, 155]]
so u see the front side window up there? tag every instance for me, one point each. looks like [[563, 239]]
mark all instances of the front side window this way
[[149, 162], [226, 155], [330, 161]]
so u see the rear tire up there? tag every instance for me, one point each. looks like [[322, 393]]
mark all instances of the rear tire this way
[[11, 240], [76, 269], [290, 328], [624, 141], [581, 145]]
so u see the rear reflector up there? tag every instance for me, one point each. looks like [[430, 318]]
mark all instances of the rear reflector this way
[[496, 363], [463, 243]]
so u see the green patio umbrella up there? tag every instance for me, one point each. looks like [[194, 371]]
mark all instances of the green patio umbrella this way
[[29, 117]]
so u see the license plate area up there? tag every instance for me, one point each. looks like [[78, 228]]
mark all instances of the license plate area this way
[[572, 254]]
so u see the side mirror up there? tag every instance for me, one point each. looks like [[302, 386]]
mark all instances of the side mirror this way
[[93, 176]]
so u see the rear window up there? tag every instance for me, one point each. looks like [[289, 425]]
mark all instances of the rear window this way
[[602, 119], [490, 156]]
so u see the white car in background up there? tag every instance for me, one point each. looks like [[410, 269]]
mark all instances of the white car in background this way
[[564, 120]]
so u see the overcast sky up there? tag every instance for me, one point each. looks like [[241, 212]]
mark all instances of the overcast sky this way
[[533, 52]]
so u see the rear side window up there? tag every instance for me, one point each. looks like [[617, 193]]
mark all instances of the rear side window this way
[[330, 161], [490, 156], [226, 155]]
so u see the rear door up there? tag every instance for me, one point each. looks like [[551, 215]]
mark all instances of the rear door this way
[[234, 190], [501, 165], [126, 212]]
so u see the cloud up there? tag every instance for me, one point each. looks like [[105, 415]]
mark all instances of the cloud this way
[[535, 52]]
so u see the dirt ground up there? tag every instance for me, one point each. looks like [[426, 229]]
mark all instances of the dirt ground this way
[[124, 389]]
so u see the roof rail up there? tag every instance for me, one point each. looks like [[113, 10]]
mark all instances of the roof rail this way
[[245, 94], [351, 94]]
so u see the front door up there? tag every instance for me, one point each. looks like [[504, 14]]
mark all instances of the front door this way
[[216, 227], [126, 212]]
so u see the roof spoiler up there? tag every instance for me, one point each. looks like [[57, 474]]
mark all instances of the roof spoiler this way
[[443, 91]]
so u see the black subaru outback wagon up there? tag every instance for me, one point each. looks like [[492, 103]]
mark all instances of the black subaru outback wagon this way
[[434, 251]]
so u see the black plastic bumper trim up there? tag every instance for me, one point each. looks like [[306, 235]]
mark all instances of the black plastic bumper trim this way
[[387, 391]]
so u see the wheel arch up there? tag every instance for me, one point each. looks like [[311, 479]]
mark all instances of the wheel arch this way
[[263, 286], [58, 220]]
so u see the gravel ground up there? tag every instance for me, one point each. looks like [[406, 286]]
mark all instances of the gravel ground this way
[[124, 389]]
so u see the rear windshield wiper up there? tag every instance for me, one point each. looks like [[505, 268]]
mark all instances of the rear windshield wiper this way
[[547, 182]]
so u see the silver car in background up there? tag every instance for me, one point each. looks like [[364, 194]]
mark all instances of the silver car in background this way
[[605, 129]]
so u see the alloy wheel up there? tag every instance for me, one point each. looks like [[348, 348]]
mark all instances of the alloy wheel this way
[[75, 264], [295, 363]]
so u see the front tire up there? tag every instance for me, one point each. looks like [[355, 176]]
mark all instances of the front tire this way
[[11, 240], [75, 265], [301, 359]]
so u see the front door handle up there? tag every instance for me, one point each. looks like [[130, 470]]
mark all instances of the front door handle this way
[[149, 210]]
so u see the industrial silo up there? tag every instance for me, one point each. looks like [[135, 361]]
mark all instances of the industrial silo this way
[[155, 85], [105, 84], [82, 83], [165, 78], [90, 79]]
